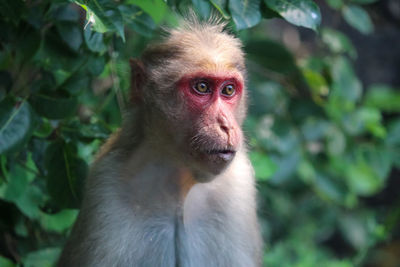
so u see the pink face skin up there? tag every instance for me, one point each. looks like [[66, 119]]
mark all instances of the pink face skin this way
[[212, 114], [200, 101]]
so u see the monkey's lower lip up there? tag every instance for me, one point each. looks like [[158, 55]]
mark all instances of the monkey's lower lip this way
[[224, 154]]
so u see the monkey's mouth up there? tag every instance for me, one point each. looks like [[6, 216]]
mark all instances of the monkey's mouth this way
[[224, 154], [214, 160]]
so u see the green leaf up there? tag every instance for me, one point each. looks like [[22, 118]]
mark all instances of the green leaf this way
[[268, 97], [220, 5], [379, 159], [329, 188], [263, 166], [12, 10], [277, 135], [6, 83], [94, 40], [203, 8], [4, 262], [363, 2], [85, 132], [286, 167], [358, 18], [335, 4], [362, 178], [71, 34], [43, 258], [44, 129], [245, 14], [354, 229], [335, 141], [29, 45], [16, 124], [59, 222], [392, 141], [54, 106], [115, 17], [393, 136], [314, 129], [38, 147], [65, 174], [383, 97], [138, 20], [371, 117], [268, 13], [314, 63], [16, 187], [307, 172], [103, 17], [298, 12], [317, 82], [337, 42], [53, 56], [157, 9], [345, 84], [96, 65], [271, 55], [93, 20], [29, 203], [66, 12], [21, 192], [362, 119], [77, 83]]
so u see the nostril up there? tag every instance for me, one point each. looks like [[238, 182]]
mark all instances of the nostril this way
[[224, 128]]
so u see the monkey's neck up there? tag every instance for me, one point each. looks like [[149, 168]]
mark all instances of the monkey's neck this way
[[152, 169], [185, 182]]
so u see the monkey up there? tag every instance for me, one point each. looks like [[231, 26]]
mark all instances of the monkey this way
[[174, 186]]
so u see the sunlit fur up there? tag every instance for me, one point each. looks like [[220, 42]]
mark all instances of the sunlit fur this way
[[143, 204]]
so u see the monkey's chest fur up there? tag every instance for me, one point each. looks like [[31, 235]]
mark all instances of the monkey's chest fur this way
[[197, 234], [148, 226]]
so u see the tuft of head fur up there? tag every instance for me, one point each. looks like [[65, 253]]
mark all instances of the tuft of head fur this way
[[194, 46]]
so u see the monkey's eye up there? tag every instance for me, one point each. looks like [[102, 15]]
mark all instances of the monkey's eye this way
[[202, 87], [228, 90]]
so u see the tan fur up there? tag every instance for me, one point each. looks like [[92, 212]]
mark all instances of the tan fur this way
[[207, 47], [108, 145]]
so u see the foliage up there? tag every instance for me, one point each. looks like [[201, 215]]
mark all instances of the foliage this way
[[320, 143]]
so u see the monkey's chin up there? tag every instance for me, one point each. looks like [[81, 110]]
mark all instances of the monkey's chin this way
[[213, 163], [225, 156]]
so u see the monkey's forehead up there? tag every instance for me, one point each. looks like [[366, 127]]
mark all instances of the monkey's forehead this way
[[207, 43], [211, 60], [202, 48], [209, 51]]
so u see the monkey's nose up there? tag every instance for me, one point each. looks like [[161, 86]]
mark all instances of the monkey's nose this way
[[224, 124]]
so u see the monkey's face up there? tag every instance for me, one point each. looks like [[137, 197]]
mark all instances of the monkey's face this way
[[212, 105], [195, 86]]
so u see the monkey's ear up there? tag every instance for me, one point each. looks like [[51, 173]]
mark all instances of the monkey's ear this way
[[138, 79]]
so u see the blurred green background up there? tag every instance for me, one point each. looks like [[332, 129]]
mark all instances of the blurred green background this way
[[323, 123]]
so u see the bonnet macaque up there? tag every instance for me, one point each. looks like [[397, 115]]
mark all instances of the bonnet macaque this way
[[174, 187]]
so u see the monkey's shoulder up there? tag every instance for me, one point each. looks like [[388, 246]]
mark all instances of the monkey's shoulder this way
[[108, 145]]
